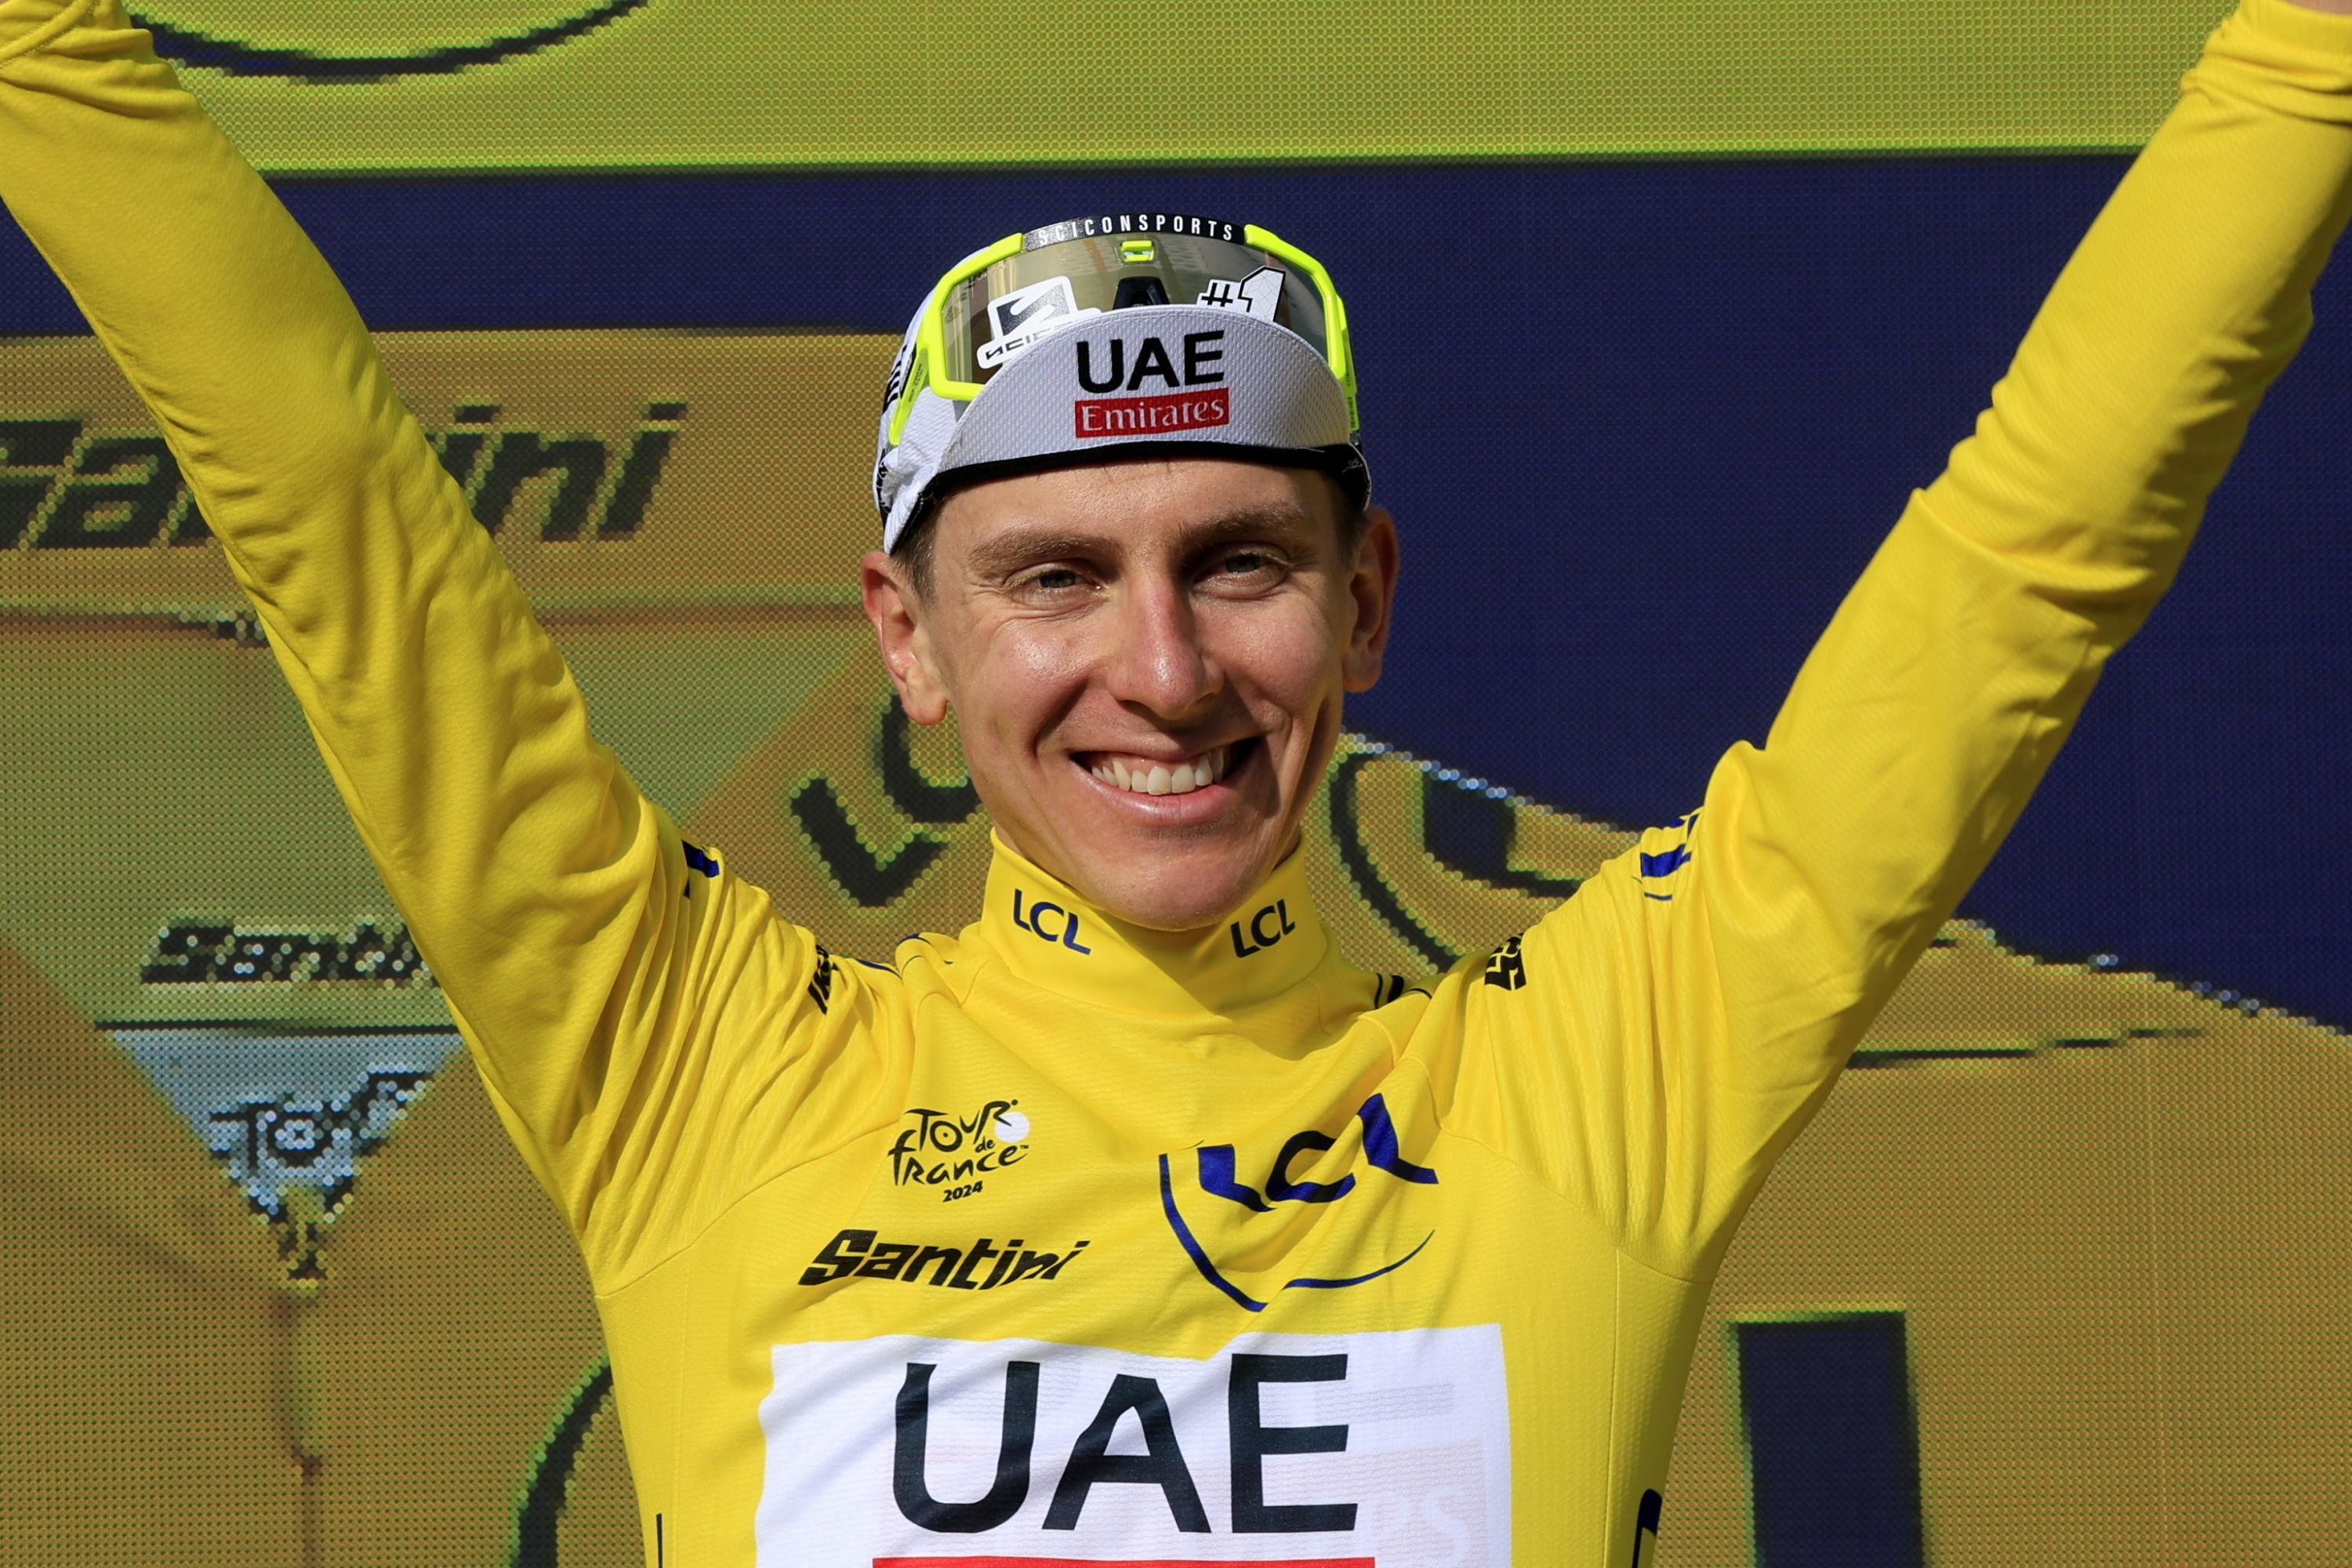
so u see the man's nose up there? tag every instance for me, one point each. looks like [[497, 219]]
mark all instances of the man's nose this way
[[1158, 662]]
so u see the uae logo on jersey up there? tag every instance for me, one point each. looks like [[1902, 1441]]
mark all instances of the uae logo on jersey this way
[[1350, 1450]]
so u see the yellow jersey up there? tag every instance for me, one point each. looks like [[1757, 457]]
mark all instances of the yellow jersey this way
[[1064, 1240]]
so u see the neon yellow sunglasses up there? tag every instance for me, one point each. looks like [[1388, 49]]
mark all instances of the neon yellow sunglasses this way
[[992, 305]]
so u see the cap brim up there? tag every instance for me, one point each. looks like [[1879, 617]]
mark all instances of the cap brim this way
[[1344, 463]]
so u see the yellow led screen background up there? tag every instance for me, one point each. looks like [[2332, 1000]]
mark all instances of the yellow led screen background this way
[[545, 84], [278, 1290]]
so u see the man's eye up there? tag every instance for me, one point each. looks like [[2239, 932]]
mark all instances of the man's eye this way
[[1054, 580], [1247, 565]]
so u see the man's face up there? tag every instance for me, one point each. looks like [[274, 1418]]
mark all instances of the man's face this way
[[1146, 661]]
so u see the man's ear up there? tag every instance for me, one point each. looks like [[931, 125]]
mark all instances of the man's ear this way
[[900, 621], [1372, 585]]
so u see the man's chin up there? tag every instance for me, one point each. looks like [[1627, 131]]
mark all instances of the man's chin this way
[[1178, 909], [1170, 886], [1171, 862]]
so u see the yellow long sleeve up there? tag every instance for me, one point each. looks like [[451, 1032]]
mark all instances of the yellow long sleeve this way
[[1755, 943], [583, 956]]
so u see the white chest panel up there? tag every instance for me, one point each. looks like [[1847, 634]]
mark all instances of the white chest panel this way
[[1389, 1449]]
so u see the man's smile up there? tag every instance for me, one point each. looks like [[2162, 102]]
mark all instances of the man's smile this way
[[1151, 775]]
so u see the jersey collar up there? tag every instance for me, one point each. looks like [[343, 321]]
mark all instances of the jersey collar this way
[[1048, 935]]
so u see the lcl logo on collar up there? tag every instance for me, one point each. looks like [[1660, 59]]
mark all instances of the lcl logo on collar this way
[[1048, 922], [1267, 926]]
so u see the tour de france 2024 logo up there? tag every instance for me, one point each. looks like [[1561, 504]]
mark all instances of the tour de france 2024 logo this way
[[384, 41], [958, 1153]]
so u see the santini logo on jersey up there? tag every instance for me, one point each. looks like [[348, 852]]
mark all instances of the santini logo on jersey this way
[[862, 1253]]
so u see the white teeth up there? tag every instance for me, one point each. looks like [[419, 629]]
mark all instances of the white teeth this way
[[1160, 778]]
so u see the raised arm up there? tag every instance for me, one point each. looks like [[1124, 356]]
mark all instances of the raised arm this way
[[1825, 862], [1761, 938], [584, 950], [1948, 680]]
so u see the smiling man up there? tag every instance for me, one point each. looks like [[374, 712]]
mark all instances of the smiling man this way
[[1148, 657], [1146, 641], [1135, 1225]]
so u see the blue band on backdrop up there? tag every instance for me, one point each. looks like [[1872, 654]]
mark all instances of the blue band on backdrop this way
[[1642, 424]]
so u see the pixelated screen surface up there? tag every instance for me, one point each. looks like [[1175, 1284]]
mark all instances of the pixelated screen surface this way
[[2084, 1187], [408, 84]]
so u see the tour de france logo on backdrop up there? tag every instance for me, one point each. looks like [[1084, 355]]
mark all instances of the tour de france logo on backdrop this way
[[294, 42]]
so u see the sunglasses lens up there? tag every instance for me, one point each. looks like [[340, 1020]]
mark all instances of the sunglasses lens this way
[[992, 317]]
